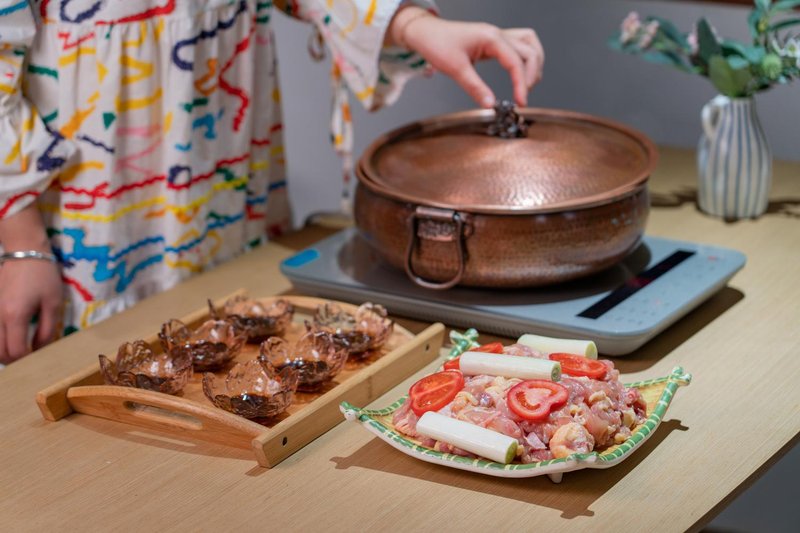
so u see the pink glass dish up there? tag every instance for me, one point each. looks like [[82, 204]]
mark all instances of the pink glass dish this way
[[259, 320], [367, 330], [252, 389], [211, 345], [137, 366], [316, 356]]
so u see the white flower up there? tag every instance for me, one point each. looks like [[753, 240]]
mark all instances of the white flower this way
[[791, 49], [630, 27]]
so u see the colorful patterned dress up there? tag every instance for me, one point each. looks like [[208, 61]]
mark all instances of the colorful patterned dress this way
[[149, 131]]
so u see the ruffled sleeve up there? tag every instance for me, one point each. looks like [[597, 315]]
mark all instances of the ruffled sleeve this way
[[354, 31], [30, 154]]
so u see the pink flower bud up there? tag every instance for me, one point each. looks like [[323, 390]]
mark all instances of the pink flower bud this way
[[630, 27]]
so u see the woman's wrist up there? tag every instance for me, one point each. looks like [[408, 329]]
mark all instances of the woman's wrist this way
[[24, 231], [405, 17]]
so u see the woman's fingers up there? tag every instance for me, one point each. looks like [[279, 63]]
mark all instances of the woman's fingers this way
[[16, 333], [4, 359], [471, 82], [452, 48], [528, 36], [527, 45], [499, 48], [46, 328]]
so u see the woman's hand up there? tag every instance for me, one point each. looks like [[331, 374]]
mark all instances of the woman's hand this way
[[28, 287], [452, 47]]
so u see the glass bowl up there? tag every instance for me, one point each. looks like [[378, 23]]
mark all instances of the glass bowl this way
[[252, 389], [137, 366], [367, 330], [316, 356], [259, 320], [211, 345]]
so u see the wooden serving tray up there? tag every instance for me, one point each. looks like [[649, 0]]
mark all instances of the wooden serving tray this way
[[191, 414]]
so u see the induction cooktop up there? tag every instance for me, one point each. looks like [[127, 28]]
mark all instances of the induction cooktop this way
[[620, 308]]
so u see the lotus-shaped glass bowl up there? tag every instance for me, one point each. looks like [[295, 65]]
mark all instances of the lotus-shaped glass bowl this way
[[252, 389], [316, 356], [368, 330], [211, 345], [259, 320], [137, 366]]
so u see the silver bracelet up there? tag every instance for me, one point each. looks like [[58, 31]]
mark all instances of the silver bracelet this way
[[28, 254]]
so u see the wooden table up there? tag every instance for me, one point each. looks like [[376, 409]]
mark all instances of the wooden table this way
[[741, 413]]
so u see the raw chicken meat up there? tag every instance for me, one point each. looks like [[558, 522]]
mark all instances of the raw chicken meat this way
[[598, 414]]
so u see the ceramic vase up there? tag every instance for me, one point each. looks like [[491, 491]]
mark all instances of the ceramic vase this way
[[734, 160]]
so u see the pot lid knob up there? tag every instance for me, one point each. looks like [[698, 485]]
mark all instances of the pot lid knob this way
[[508, 124]]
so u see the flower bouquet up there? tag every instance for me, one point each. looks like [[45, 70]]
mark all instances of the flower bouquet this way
[[735, 68], [734, 158]]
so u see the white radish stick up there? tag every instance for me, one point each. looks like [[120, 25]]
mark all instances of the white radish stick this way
[[469, 437], [550, 345], [509, 366]]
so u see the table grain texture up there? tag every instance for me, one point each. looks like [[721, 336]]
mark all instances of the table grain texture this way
[[740, 414]]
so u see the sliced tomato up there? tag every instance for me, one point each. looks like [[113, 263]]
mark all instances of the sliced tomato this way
[[577, 365], [492, 347], [534, 399], [433, 392], [453, 364]]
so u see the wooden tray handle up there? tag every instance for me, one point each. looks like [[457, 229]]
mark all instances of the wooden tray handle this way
[[167, 413], [52, 401]]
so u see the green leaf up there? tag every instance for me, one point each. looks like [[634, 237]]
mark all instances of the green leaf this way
[[753, 54], [728, 80], [763, 4], [753, 20], [731, 48], [783, 24], [614, 42], [707, 41], [738, 63], [785, 5], [671, 32], [667, 58]]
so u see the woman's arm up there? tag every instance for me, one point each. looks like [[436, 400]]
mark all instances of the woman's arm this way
[[30, 156]]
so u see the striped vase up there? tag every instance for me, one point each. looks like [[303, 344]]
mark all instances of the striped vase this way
[[734, 161]]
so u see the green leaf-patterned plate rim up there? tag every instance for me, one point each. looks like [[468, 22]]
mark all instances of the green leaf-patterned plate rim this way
[[658, 392]]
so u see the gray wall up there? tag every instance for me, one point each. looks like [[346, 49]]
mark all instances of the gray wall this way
[[581, 73]]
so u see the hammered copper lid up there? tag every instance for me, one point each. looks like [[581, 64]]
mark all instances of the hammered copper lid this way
[[564, 160]]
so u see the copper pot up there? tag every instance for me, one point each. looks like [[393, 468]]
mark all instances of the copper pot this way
[[506, 198]]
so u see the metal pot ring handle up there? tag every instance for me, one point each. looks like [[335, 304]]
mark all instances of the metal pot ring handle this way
[[443, 225]]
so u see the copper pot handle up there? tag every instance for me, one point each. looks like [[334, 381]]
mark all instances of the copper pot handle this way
[[443, 225]]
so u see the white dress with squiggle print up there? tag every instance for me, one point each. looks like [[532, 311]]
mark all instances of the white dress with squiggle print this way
[[149, 131]]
